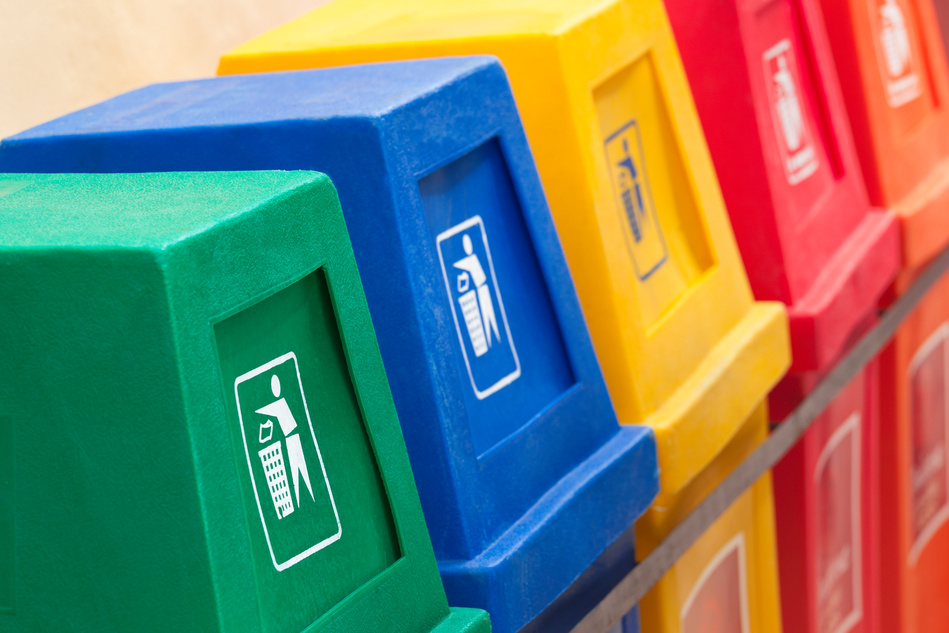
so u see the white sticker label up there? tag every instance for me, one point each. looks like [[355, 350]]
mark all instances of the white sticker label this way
[[294, 498], [837, 492], [719, 601], [930, 431], [898, 67], [477, 307], [795, 140]]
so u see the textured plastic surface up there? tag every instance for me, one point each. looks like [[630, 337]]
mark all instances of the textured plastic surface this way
[[826, 492], [728, 580], [509, 426], [619, 147], [914, 472], [220, 451], [892, 68], [767, 92]]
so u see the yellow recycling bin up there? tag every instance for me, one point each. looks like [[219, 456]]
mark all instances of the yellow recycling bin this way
[[683, 346]]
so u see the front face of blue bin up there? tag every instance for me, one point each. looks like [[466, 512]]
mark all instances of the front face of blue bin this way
[[513, 440]]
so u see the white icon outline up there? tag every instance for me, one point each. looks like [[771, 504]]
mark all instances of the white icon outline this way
[[851, 426], [937, 338], [906, 86], [805, 159], [339, 528], [737, 542], [514, 375]]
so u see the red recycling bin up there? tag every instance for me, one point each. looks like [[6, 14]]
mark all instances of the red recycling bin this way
[[776, 123], [826, 504]]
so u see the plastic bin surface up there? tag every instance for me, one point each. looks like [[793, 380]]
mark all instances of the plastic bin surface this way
[[491, 367], [728, 580], [892, 69], [767, 93], [827, 514], [221, 437], [914, 475], [620, 149]]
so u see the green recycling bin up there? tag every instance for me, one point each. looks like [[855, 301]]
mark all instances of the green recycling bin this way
[[196, 431]]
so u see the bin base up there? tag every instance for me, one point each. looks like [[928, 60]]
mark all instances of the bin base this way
[[538, 558], [589, 590]]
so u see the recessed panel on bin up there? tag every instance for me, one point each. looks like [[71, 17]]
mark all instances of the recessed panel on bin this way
[[766, 90], [895, 81], [507, 332], [491, 367], [312, 491], [651, 188], [218, 433]]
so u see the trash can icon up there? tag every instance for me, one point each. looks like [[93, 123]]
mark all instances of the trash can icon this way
[[272, 460]]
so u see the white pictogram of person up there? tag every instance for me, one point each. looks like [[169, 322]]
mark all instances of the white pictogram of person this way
[[894, 38], [296, 461], [476, 303], [788, 106]]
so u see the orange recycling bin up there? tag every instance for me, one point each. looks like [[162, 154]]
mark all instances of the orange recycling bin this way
[[683, 345], [892, 66], [914, 470], [893, 72]]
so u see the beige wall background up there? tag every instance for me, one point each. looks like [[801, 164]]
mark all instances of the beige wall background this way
[[61, 55]]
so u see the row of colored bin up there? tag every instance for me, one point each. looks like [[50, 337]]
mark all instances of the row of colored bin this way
[[528, 486]]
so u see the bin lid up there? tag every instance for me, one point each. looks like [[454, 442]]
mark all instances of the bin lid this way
[[198, 413], [620, 150], [895, 82], [767, 92], [491, 366]]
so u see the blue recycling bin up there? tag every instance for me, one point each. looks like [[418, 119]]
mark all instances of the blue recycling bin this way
[[529, 486]]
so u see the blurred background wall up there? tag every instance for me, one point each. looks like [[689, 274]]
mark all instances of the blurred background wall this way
[[61, 55]]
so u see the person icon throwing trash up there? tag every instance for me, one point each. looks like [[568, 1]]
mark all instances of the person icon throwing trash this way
[[788, 106], [894, 38], [281, 449], [296, 462], [477, 307]]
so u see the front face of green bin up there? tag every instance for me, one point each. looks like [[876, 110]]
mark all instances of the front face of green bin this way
[[196, 431]]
